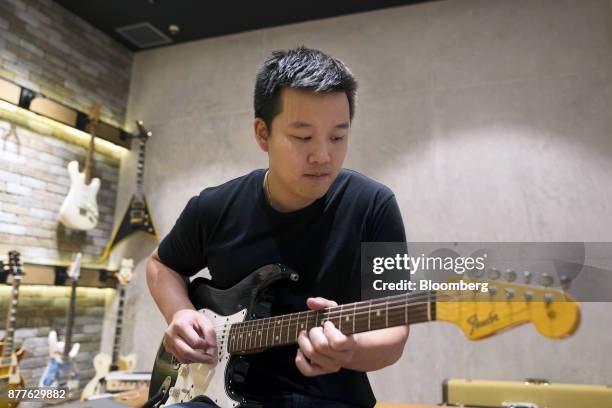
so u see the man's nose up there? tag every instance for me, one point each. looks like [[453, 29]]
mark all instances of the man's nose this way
[[320, 153]]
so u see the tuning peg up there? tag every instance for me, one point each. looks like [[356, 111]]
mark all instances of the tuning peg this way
[[510, 275], [494, 273], [527, 276], [475, 272], [565, 281], [546, 280]]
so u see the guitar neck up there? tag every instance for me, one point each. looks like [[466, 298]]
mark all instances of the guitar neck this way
[[90, 153], [140, 169], [9, 335], [351, 318], [118, 327], [70, 321]]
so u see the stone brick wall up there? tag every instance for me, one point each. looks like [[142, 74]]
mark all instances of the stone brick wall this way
[[33, 184], [48, 49], [42, 309]]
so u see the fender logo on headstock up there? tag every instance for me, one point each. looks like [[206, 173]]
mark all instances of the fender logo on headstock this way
[[476, 324]]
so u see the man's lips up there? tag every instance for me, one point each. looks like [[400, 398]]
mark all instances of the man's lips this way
[[316, 175]]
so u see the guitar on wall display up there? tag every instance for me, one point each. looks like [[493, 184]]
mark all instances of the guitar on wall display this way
[[240, 331], [80, 210], [138, 216], [60, 371], [10, 377], [103, 363]]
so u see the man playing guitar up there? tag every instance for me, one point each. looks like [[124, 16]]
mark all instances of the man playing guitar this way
[[304, 211]]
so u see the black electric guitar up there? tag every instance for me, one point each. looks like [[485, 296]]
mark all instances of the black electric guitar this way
[[239, 331], [137, 216], [9, 365]]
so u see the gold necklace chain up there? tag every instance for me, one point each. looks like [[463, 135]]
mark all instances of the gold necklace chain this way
[[267, 189]]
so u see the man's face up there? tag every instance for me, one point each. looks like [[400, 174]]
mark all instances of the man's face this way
[[307, 144]]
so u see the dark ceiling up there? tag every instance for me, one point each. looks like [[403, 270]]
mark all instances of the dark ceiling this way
[[199, 19]]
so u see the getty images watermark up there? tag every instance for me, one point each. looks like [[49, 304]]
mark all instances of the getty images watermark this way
[[583, 270]]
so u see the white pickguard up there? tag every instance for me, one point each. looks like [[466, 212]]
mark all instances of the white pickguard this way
[[80, 210], [204, 379]]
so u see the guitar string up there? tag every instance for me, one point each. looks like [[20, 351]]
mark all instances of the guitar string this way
[[367, 307], [420, 314], [392, 306], [396, 320], [411, 297]]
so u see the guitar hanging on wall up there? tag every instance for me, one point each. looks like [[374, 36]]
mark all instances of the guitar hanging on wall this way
[[138, 216], [103, 363], [9, 365], [60, 371], [80, 210]]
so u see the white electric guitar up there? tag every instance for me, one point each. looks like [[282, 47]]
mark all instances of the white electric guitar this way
[[60, 371], [103, 363], [80, 210]]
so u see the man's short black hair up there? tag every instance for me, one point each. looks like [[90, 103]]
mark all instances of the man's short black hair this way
[[301, 68]]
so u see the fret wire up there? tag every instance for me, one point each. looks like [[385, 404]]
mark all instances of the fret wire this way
[[387, 313], [289, 327]]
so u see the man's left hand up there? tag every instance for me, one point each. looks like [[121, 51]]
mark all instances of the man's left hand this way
[[323, 350]]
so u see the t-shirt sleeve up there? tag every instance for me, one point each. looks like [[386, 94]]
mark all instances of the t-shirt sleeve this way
[[183, 248], [387, 224]]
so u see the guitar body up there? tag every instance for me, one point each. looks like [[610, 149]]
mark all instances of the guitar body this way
[[8, 370], [10, 378], [103, 365], [80, 209], [59, 370], [137, 218], [219, 383]]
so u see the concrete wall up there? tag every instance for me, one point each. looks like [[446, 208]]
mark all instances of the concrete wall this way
[[489, 119]]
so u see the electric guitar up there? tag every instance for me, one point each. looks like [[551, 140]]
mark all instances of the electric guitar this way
[[10, 377], [80, 210], [137, 216], [60, 371], [103, 363], [240, 331]]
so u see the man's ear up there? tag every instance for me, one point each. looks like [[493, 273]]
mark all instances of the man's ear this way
[[261, 134]]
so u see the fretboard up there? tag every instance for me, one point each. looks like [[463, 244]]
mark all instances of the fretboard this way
[[9, 336], [117, 340], [140, 169], [70, 321], [90, 153], [351, 318]]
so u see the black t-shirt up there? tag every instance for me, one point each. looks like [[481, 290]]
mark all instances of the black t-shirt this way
[[232, 230]]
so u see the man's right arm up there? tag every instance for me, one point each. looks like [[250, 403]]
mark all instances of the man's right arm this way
[[190, 336]]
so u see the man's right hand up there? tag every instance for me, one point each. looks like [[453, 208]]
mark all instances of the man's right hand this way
[[191, 337]]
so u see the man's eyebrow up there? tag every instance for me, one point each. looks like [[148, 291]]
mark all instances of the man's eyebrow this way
[[298, 124]]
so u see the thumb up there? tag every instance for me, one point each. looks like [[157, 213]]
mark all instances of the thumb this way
[[318, 303], [207, 330]]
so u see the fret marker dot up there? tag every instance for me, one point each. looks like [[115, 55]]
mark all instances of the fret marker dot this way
[[378, 313], [302, 325], [276, 337], [347, 318]]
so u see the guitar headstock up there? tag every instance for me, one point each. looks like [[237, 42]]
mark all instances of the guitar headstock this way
[[481, 314], [143, 133], [125, 273], [15, 265], [75, 268]]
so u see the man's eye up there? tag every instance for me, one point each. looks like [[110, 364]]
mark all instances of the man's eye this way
[[337, 138], [302, 138]]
